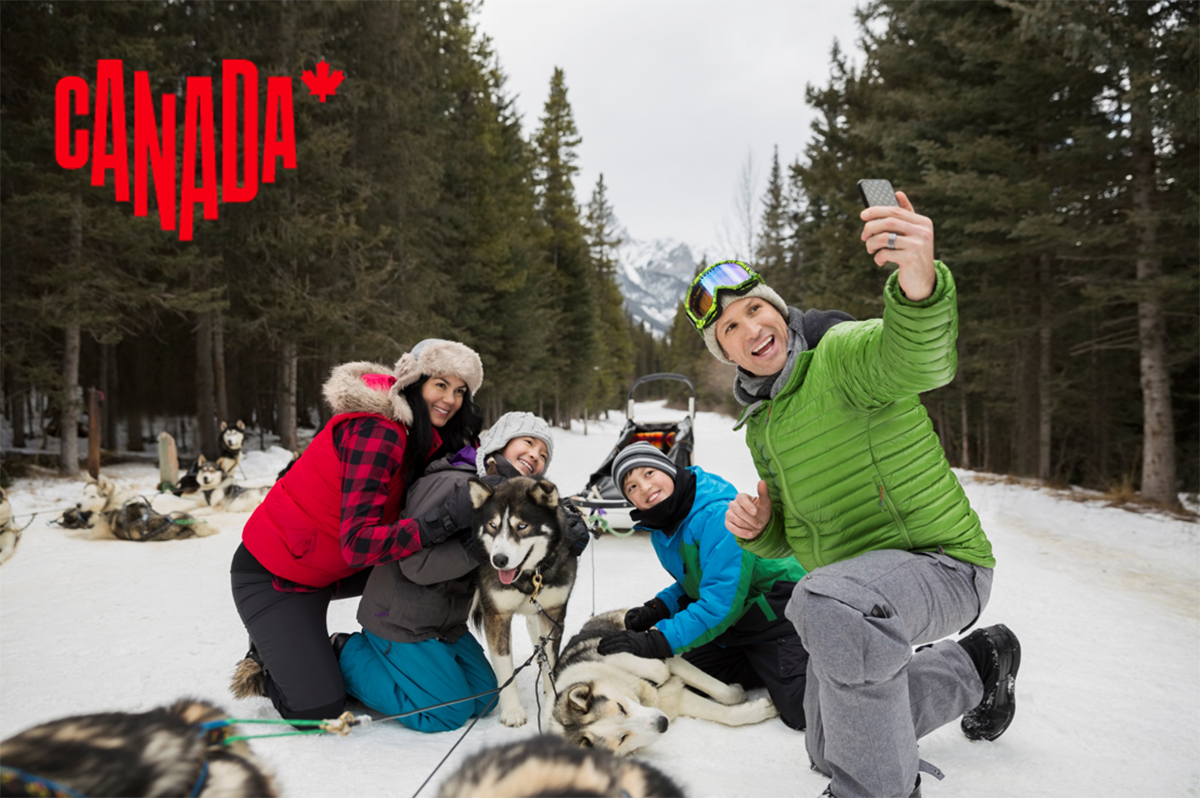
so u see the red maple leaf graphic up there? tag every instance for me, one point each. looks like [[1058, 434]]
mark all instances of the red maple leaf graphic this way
[[323, 82]]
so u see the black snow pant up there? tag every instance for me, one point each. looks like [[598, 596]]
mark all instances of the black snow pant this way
[[756, 652], [290, 631]]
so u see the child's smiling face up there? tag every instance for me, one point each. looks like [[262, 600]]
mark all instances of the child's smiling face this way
[[527, 454], [647, 486]]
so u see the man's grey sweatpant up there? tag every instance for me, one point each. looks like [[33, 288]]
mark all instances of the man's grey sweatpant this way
[[869, 696]]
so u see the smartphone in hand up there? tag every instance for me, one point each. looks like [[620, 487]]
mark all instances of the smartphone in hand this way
[[877, 192]]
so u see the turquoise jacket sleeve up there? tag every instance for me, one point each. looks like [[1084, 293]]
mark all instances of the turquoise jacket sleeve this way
[[724, 581], [671, 595]]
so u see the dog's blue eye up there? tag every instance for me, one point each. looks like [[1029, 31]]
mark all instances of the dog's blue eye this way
[[522, 526]]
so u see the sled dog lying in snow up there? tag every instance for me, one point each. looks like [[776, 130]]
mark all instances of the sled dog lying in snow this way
[[165, 751], [519, 526], [218, 491], [547, 765], [621, 703], [108, 511], [230, 458], [10, 533]]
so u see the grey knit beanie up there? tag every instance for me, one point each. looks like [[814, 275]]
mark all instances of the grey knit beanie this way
[[513, 425], [727, 298], [639, 455]]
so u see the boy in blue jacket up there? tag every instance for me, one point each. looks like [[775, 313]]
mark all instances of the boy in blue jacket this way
[[724, 611]]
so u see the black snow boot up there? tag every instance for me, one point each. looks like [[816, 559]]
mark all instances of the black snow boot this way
[[338, 641], [997, 656]]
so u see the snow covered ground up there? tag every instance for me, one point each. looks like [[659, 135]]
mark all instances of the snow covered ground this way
[[1106, 603]]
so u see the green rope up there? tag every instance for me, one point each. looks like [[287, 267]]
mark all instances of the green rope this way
[[235, 738]]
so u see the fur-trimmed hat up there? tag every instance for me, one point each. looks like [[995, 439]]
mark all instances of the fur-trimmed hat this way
[[513, 425], [640, 455], [365, 387], [436, 356], [727, 298]]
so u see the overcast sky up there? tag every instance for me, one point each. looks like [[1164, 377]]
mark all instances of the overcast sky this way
[[672, 96]]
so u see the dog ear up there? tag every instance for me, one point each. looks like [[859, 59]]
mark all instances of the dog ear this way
[[480, 492], [241, 425], [545, 493], [224, 426], [201, 460], [89, 479], [579, 697]]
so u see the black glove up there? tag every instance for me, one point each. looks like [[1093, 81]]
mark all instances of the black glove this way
[[651, 645], [450, 516], [575, 528], [639, 619]]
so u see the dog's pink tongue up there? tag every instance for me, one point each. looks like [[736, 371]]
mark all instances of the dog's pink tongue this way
[[507, 575]]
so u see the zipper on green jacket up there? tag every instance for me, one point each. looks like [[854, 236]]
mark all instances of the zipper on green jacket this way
[[781, 485], [885, 502]]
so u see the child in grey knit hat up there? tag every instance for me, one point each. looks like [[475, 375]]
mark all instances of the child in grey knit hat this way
[[522, 439]]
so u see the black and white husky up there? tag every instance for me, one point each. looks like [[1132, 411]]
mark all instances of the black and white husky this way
[[620, 703], [230, 458], [547, 765], [166, 751], [218, 491], [520, 526]]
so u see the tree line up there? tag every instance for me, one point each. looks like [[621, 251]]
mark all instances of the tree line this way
[[420, 207], [1054, 145]]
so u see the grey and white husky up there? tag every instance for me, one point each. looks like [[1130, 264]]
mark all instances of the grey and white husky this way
[[218, 491], [547, 765], [166, 751], [621, 703], [520, 526]]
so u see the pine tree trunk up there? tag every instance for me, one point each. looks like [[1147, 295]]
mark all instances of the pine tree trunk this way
[[1045, 400], [133, 405], [1158, 427], [1028, 358], [206, 408], [288, 438], [218, 359], [17, 402], [69, 416]]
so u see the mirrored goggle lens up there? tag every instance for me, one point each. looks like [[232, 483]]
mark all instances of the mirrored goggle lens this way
[[703, 294]]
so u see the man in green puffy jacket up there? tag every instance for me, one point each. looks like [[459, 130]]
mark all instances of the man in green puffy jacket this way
[[856, 487]]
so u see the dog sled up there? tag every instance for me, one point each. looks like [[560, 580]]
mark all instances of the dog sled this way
[[602, 500]]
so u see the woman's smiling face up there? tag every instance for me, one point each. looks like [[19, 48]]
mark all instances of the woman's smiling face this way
[[443, 396]]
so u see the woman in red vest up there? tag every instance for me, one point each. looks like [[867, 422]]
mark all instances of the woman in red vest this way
[[336, 513]]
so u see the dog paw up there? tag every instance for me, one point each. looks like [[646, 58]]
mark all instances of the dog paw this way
[[513, 716], [731, 695], [753, 712]]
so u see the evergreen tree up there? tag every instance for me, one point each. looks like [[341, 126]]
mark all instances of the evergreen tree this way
[[572, 352], [771, 255], [614, 348]]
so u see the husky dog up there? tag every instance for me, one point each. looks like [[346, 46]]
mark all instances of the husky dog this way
[[519, 526], [218, 491], [547, 765], [166, 751], [10, 534], [230, 458], [109, 511], [231, 447], [621, 703]]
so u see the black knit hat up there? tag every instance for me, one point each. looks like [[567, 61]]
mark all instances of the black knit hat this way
[[639, 455]]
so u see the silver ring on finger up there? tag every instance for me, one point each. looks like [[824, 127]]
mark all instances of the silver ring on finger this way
[[891, 244]]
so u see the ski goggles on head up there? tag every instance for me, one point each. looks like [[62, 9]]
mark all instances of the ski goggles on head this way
[[729, 275]]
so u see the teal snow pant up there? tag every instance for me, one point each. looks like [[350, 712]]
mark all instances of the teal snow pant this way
[[869, 696], [399, 677]]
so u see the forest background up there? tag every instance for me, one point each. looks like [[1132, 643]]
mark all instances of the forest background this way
[[1054, 144]]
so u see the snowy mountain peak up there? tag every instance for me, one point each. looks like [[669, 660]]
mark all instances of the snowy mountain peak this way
[[653, 277]]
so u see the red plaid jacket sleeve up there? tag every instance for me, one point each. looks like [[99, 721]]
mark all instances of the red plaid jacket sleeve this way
[[371, 453]]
